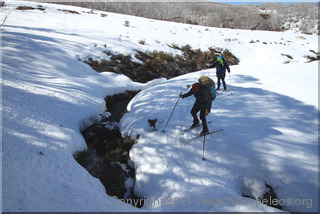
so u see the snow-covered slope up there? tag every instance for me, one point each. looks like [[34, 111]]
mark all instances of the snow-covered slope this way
[[270, 118], [269, 136]]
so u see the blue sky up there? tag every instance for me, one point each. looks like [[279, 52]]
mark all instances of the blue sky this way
[[257, 1]]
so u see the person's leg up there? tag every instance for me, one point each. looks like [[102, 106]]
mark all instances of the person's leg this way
[[223, 82], [205, 129], [224, 85], [195, 109], [218, 86]]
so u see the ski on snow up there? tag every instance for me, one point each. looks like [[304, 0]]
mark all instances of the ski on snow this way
[[188, 129], [223, 92], [199, 136]]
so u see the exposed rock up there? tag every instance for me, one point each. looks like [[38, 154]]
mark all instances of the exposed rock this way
[[107, 157]]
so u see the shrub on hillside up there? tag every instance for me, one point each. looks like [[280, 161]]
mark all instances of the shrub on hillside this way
[[157, 64]]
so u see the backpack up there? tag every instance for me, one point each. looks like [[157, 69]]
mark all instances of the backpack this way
[[209, 84]]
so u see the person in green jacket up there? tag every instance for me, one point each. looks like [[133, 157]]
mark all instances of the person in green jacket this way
[[221, 66]]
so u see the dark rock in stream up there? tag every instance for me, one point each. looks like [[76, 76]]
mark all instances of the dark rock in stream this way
[[107, 157]]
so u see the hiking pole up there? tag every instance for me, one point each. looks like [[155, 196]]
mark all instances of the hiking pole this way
[[171, 114], [204, 139]]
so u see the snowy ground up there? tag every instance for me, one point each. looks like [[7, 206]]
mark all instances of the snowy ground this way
[[270, 116]]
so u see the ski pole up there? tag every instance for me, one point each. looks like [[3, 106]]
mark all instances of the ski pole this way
[[204, 142], [230, 80], [171, 114], [204, 139]]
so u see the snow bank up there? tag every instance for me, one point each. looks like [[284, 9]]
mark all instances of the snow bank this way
[[49, 95], [269, 136]]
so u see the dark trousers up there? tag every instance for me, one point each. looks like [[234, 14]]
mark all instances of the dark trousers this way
[[221, 77], [195, 109]]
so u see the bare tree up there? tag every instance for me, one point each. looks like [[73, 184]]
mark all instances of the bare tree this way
[[267, 16]]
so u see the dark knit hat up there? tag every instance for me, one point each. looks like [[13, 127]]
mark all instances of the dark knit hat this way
[[195, 88]]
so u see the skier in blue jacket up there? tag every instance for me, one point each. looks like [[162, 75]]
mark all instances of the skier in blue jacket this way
[[221, 66], [203, 104]]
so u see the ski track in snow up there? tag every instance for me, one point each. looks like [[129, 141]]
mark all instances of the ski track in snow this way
[[269, 116]]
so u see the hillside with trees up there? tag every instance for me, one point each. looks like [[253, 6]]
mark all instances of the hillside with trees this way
[[302, 17]]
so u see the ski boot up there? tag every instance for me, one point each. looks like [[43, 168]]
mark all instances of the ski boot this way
[[204, 131], [194, 124]]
